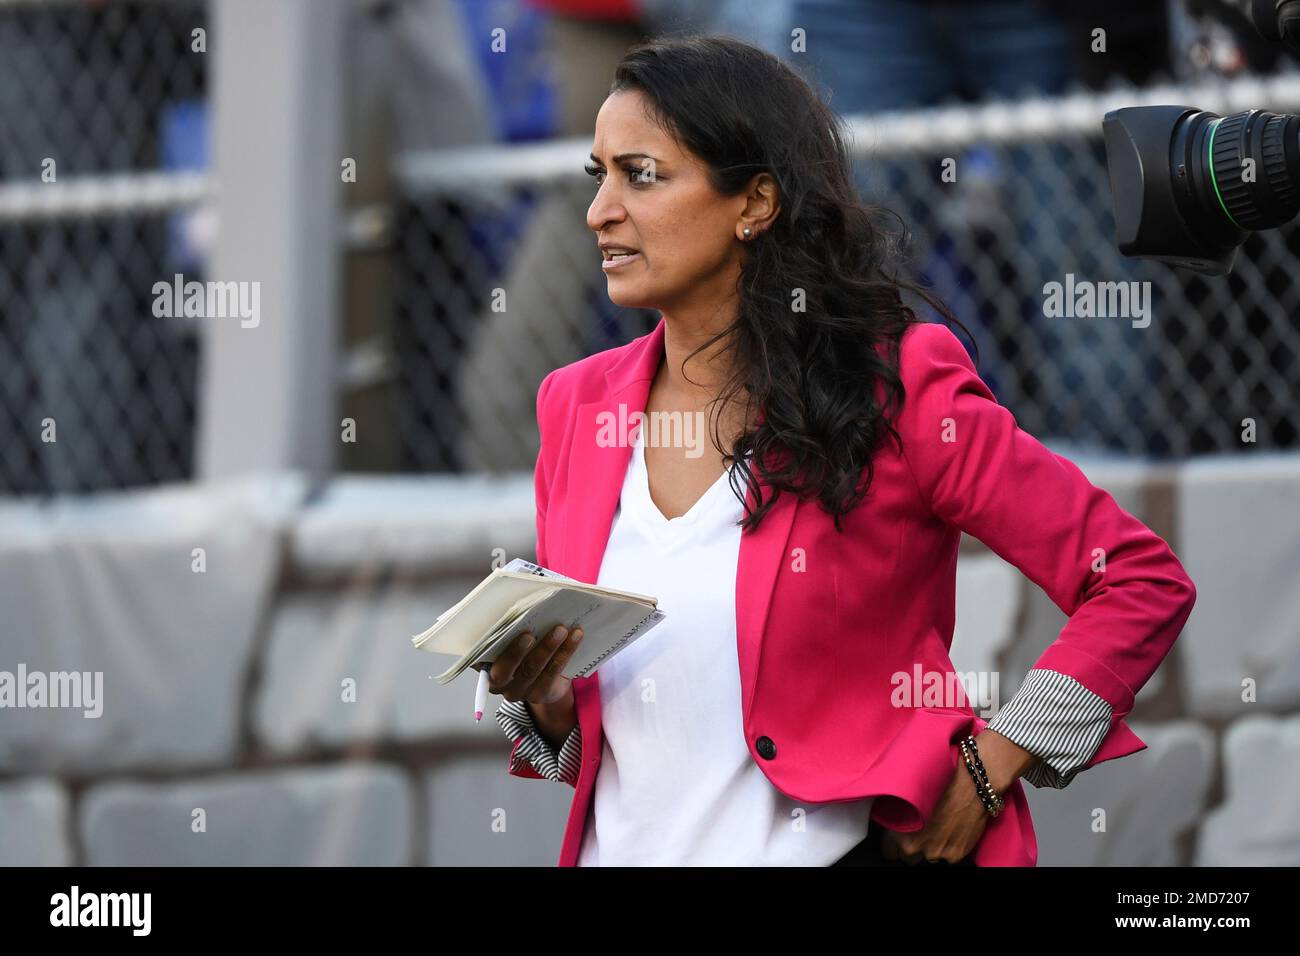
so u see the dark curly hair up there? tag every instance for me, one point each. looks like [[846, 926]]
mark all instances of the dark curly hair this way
[[812, 373]]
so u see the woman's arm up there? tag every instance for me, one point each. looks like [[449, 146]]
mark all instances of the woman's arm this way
[[1126, 594]]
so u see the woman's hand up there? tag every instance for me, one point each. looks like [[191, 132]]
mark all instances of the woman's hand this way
[[530, 670], [950, 834], [959, 819]]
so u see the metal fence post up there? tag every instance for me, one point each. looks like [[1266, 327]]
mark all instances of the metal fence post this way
[[267, 390]]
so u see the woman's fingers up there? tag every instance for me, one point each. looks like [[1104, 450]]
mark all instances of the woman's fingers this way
[[911, 850], [524, 662], [502, 671], [889, 848], [532, 670], [901, 847], [560, 658]]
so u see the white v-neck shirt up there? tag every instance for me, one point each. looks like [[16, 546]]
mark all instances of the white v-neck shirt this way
[[676, 784]]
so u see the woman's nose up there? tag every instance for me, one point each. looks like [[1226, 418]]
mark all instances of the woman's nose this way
[[604, 209]]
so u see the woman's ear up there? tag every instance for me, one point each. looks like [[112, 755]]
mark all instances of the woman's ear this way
[[762, 202]]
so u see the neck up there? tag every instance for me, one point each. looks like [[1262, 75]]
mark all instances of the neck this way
[[706, 371]]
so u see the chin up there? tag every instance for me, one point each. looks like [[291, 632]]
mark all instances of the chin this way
[[628, 298]]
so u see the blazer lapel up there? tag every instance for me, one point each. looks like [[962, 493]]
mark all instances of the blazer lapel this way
[[761, 554], [597, 465]]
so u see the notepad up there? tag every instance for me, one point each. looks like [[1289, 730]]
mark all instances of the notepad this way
[[522, 596]]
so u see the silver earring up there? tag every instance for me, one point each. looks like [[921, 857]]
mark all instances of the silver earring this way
[[748, 232]]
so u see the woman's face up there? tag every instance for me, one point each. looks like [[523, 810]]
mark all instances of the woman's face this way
[[654, 198]]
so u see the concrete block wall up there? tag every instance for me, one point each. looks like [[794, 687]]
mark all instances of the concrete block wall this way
[[262, 703]]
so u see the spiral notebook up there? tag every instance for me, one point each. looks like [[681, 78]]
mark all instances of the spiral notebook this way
[[522, 596]]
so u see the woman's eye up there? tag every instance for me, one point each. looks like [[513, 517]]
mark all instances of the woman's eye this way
[[635, 176]]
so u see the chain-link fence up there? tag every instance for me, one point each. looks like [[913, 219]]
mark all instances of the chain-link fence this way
[[102, 140], [101, 124], [500, 284]]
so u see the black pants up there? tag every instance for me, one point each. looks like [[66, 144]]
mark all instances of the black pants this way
[[868, 853]]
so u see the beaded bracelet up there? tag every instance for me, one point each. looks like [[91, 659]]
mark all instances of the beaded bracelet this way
[[970, 751], [983, 789], [992, 800]]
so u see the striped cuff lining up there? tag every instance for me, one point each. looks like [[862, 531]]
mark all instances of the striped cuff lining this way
[[516, 720], [1057, 719]]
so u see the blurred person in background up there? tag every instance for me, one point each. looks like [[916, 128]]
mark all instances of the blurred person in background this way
[[544, 321], [416, 86]]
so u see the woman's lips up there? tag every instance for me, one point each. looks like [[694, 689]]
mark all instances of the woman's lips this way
[[608, 264]]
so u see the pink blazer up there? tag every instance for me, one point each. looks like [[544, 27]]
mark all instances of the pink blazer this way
[[824, 619]]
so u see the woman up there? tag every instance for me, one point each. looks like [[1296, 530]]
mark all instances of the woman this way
[[807, 559]]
